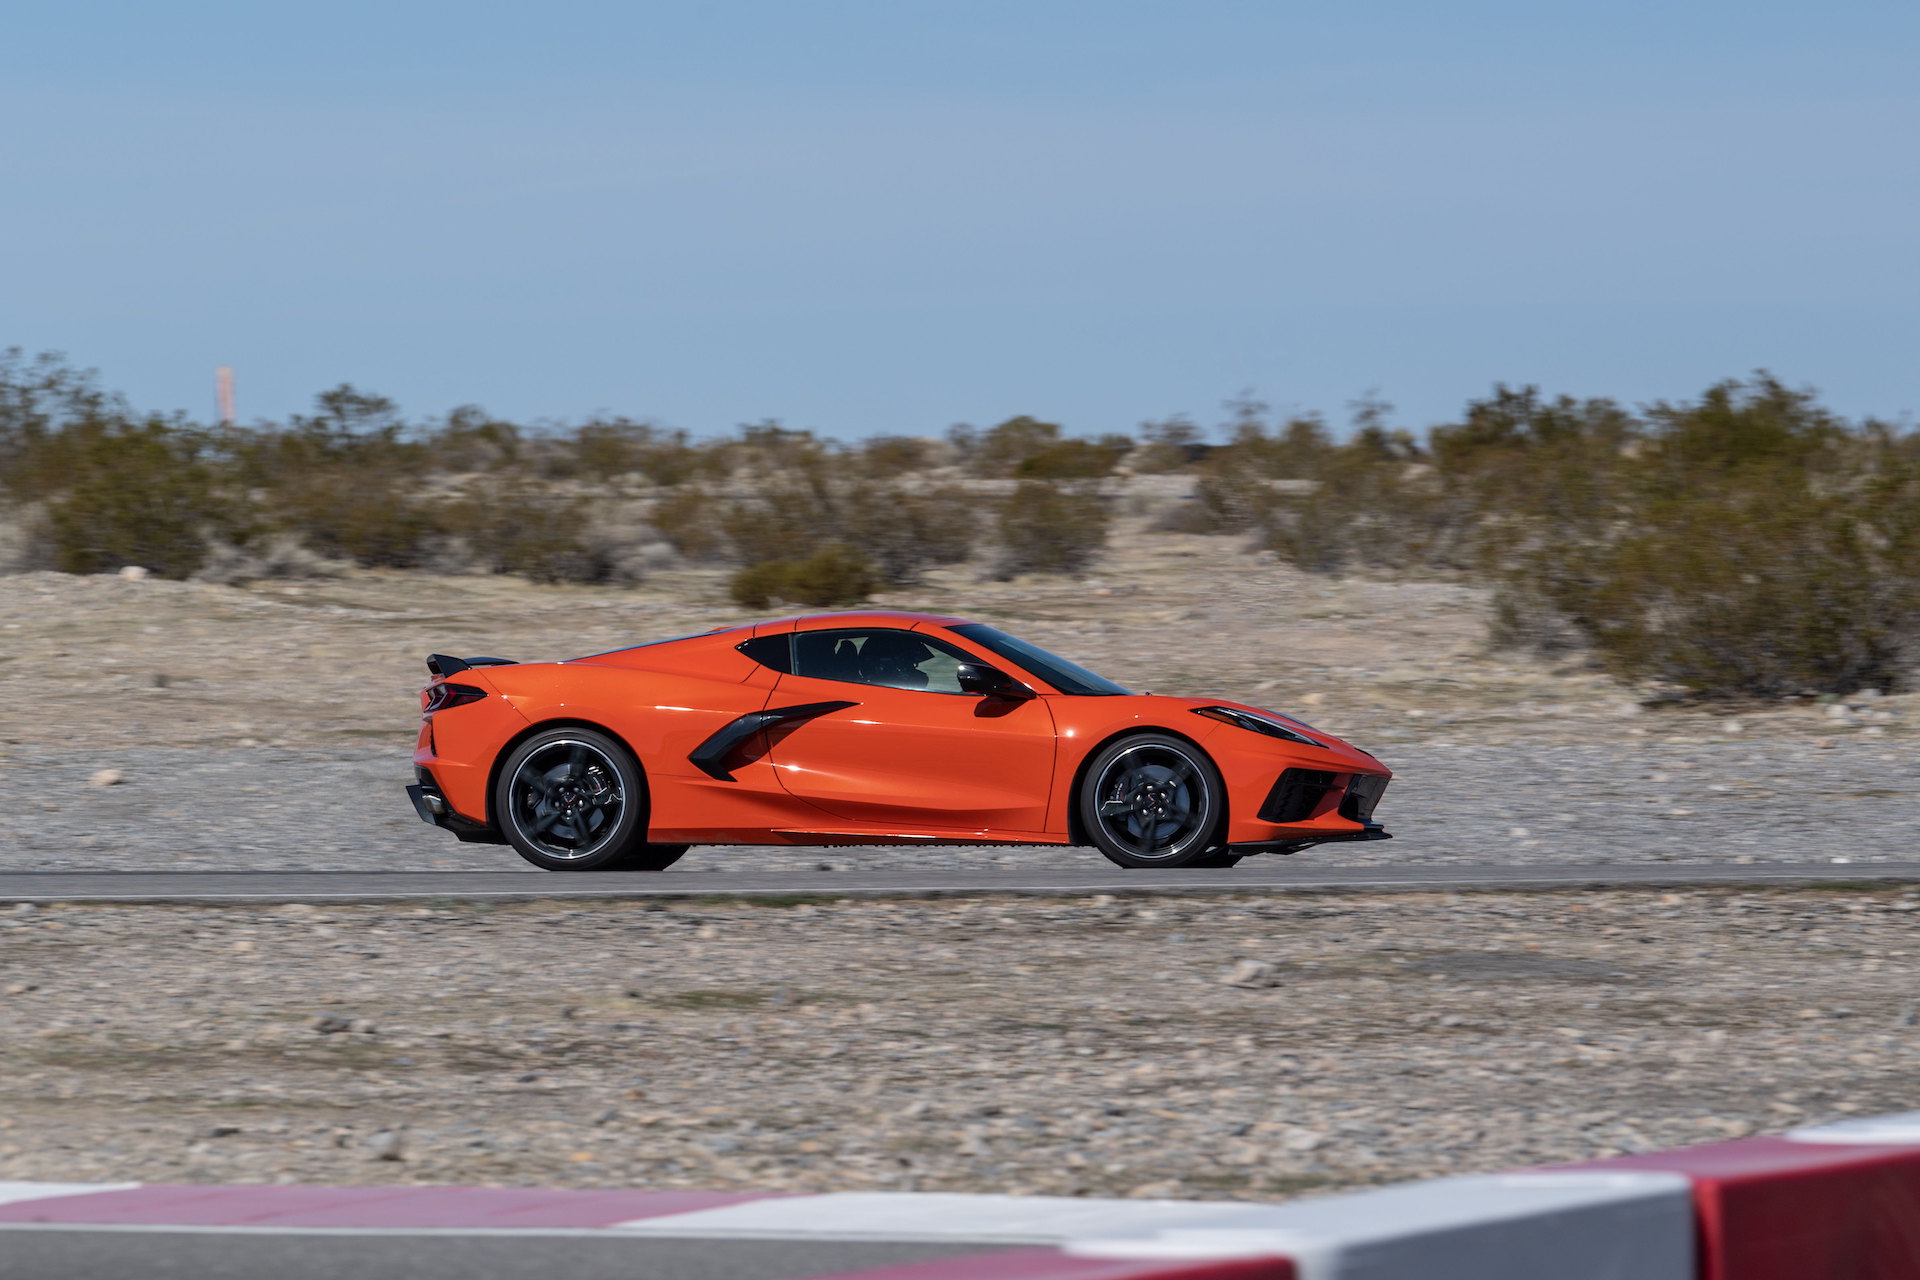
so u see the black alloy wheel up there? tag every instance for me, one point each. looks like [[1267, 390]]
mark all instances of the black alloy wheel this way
[[1154, 800], [573, 799]]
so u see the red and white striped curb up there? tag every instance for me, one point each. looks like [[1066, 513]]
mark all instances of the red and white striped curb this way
[[1841, 1201]]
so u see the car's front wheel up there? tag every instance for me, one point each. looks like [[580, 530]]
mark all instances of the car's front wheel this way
[[574, 799], [1152, 800]]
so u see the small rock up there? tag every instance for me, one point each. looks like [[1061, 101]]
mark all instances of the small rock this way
[[1156, 1191], [24, 908], [1303, 1140], [1250, 973], [387, 1144], [106, 778], [133, 572], [360, 1026], [330, 1023], [220, 1131]]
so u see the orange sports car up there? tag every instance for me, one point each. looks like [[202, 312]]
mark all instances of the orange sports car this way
[[866, 728]]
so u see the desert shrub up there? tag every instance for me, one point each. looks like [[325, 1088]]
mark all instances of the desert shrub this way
[[1074, 459], [899, 530], [472, 440], [885, 457], [47, 410], [1749, 545], [513, 526], [766, 450], [1454, 503], [1167, 445], [135, 494], [1046, 528], [902, 531], [1000, 449], [276, 555], [607, 448], [686, 519], [832, 577], [357, 513]]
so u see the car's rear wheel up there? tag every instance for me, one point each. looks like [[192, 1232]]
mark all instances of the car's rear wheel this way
[[1153, 800], [573, 799]]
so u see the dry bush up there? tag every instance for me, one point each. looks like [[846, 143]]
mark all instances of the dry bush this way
[[688, 521], [136, 494], [272, 556], [899, 530], [514, 526], [1047, 528], [1171, 444], [903, 532], [1750, 544], [1074, 459], [833, 577], [887, 457]]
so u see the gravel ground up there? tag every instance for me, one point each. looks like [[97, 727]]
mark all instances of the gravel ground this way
[[1238, 1047], [1024, 1045], [1747, 799]]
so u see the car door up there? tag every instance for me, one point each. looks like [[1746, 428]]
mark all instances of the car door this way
[[914, 749]]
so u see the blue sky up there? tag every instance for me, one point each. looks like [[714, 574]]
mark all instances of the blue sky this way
[[863, 217]]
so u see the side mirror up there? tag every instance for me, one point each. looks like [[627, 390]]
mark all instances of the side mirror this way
[[990, 682]]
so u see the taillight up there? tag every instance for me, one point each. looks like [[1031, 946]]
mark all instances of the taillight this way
[[439, 697]]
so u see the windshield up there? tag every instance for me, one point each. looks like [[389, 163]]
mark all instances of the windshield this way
[[1067, 677]]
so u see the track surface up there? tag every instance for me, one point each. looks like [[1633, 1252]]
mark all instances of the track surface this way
[[1264, 875]]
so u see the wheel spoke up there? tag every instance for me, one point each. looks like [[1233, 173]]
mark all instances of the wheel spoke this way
[[544, 823]]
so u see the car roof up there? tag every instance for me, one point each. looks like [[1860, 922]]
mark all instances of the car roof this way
[[861, 617]]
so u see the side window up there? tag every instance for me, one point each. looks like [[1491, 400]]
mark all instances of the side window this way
[[770, 651], [895, 659]]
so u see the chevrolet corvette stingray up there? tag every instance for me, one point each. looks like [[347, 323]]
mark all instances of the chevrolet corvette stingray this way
[[866, 728]]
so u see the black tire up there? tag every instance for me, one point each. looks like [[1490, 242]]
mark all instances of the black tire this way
[[1152, 800], [574, 799], [652, 857]]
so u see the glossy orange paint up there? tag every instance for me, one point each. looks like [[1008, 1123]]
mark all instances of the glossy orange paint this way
[[900, 766]]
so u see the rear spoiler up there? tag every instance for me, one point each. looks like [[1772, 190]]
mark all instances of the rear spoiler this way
[[441, 664]]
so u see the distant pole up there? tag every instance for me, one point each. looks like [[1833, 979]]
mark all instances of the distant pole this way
[[223, 391]]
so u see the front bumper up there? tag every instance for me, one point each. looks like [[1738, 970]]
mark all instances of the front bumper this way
[[1322, 807], [1368, 831]]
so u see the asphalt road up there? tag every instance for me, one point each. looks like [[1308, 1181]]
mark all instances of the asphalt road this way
[[1260, 875], [175, 1253]]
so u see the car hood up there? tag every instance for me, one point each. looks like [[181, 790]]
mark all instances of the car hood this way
[[1336, 753]]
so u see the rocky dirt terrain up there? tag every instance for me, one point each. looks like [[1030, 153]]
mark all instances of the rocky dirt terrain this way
[[270, 726], [1253, 1047], [1239, 1047]]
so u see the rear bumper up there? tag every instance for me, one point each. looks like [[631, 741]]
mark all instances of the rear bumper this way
[[433, 808]]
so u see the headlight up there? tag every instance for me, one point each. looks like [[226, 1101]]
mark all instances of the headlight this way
[[1272, 726]]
